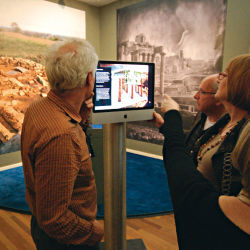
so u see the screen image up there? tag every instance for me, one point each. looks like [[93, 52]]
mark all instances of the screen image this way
[[123, 86]]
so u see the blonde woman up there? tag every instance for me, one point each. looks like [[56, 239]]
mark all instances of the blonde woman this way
[[204, 218], [213, 150]]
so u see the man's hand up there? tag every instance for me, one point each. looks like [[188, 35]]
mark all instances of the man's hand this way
[[169, 104], [87, 108], [158, 121]]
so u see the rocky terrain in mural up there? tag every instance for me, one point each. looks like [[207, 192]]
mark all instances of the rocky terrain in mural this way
[[21, 82]]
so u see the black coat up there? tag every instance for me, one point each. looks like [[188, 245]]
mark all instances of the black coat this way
[[200, 223]]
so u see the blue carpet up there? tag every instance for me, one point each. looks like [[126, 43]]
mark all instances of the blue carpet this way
[[147, 188]]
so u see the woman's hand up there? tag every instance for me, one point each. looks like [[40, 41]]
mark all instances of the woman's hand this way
[[168, 104], [158, 121]]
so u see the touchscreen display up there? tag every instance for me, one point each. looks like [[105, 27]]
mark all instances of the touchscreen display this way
[[123, 86]]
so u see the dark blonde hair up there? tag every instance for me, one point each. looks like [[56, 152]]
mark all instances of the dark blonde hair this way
[[238, 85], [241, 156]]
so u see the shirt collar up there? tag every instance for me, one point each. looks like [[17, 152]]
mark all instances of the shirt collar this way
[[66, 107]]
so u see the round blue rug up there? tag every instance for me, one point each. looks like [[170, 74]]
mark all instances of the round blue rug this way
[[147, 188]]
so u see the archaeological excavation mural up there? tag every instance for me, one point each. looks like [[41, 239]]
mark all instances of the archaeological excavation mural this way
[[184, 38], [25, 34]]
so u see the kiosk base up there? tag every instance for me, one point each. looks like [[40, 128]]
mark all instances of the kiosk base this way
[[135, 244]]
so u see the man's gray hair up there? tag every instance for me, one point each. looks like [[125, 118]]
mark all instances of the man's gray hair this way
[[69, 62], [212, 81], [215, 86]]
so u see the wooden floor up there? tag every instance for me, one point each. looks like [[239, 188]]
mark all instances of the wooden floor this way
[[157, 233]]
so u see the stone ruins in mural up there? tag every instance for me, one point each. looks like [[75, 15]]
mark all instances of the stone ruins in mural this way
[[21, 82], [175, 75]]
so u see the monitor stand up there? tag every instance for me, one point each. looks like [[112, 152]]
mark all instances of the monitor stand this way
[[114, 151]]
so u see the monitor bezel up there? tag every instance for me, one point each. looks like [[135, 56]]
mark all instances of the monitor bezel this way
[[152, 65]]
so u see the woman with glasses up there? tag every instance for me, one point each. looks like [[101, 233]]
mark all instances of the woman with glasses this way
[[213, 149], [205, 219]]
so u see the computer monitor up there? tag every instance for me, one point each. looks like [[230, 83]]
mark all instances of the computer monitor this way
[[124, 92]]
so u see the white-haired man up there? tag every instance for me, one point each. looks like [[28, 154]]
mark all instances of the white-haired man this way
[[211, 110], [60, 184]]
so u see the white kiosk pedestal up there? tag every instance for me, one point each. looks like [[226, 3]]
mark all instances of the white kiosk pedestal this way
[[114, 150]]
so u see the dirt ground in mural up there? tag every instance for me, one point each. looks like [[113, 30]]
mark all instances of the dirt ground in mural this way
[[21, 82]]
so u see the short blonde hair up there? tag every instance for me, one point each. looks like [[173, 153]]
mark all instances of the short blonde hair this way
[[241, 156], [68, 64], [238, 85]]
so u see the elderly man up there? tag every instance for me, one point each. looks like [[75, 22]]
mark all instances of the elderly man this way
[[211, 110], [60, 184]]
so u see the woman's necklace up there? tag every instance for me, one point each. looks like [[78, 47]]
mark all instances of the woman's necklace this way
[[205, 148], [228, 128], [222, 135]]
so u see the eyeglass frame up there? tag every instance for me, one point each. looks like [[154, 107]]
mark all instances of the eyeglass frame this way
[[202, 92], [222, 75]]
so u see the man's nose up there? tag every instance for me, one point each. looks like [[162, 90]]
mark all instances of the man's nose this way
[[197, 94]]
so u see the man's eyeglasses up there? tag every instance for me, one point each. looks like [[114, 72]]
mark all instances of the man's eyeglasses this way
[[222, 75], [202, 92]]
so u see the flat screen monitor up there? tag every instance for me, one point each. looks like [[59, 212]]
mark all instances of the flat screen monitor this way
[[124, 92]]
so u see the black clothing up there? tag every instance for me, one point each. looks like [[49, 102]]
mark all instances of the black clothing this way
[[44, 242], [195, 132], [85, 128], [200, 223]]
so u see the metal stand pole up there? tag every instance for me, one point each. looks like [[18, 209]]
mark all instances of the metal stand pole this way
[[114, 150]]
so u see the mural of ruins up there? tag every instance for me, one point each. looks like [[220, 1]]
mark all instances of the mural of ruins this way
[[21, 82], [185, 41], [22, 73]]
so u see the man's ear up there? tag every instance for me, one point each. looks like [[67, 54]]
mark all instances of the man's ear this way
[[89, 78]]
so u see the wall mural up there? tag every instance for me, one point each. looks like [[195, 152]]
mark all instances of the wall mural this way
[[27, 28], [184, 38]]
